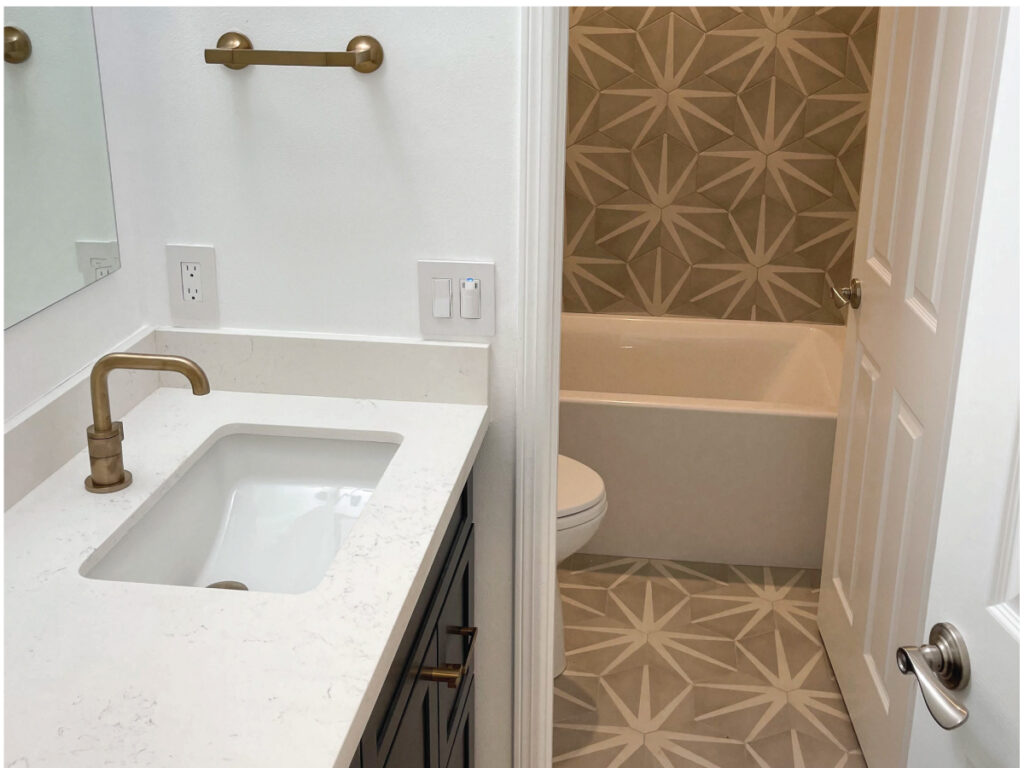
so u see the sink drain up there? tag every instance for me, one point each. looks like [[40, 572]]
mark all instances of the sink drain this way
[[227, 585]]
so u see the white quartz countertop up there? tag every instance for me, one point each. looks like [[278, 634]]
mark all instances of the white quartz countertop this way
[[114, 673]]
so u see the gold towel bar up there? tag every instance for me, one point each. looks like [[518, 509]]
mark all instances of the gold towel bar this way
[[234, 50]]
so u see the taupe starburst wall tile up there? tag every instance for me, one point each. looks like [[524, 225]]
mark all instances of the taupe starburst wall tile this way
[[725, 289], [770, 115], [667, 51], [847, 18], [597, 169], [637, 16], [707, 17], [628, 225], [825, 235], [659, 280], [788, 293], [765, 229], [860, 55], [702, 113], [581, 110], [738, 53], [696, 136], [849, 169], [601, 50], [731, 172], [591, 280], [836, 117], [698, 229], [778, 18], [801, 175], [811, 55], [664, 170], [632, 110], [579, 225], [579, 14]]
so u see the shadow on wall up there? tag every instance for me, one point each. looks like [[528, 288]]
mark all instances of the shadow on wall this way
[[714, 159]]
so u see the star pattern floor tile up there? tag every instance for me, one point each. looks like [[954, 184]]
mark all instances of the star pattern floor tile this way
[[677, 664]]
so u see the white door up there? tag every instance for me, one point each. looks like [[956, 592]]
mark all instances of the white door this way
[[932, 102], [975, 583]]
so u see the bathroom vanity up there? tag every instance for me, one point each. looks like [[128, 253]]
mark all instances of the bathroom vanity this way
[[117, 653]]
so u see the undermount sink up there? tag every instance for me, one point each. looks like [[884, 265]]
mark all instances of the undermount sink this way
[[269, 512]]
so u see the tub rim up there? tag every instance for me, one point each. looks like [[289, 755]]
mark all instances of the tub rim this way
[[717, 405]]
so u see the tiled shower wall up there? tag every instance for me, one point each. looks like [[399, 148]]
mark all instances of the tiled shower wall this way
[[714, 159]]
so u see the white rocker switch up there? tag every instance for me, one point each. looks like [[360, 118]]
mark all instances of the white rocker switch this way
[[442, 304], [469, 294]]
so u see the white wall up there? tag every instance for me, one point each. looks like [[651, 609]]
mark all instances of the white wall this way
[[320, 188]]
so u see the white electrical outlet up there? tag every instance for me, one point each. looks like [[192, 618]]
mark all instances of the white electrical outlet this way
[[192, 284]]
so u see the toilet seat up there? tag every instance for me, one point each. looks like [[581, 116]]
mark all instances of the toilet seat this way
[[581, 494]]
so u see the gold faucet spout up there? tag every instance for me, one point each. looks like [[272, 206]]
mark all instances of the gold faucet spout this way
[[104, 436]]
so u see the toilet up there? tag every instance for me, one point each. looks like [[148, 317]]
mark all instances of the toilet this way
[[581, 507]]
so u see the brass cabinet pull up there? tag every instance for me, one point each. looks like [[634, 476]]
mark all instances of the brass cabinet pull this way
[[452, 674], [234, 50]]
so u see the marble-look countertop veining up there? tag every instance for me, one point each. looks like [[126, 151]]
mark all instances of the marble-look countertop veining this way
[[127, 674]]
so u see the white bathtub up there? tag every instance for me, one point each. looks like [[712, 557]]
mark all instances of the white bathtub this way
[[714, 437]]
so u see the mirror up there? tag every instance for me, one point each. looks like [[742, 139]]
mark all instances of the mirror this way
[[59, 234]]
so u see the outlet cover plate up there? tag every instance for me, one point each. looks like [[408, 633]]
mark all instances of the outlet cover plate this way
[[195, 314], [456, 326]]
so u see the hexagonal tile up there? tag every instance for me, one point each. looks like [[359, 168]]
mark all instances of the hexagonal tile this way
[[800, 174], [770, 115], [811, 55], [581, 110], [601, 50], [597, 169], [667, 51], [731, 172], [664, 170], [628, 225]]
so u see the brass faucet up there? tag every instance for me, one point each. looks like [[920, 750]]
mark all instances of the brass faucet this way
[[105, 457]]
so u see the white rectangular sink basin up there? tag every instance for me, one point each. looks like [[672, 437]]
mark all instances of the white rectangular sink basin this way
[[268, 511]]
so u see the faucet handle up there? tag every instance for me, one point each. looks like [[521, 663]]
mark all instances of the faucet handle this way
[[106, 459]]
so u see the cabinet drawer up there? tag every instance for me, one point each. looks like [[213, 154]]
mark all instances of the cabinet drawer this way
[[453, 647], [462, 742], [415, 741], [418, 646]]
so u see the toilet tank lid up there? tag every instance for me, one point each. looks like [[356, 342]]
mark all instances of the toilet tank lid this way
[[579, 487]]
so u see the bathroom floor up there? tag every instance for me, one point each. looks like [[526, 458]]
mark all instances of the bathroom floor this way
[[674, 664]]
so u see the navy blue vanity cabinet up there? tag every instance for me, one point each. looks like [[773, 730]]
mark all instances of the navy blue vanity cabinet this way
[[423, 717]]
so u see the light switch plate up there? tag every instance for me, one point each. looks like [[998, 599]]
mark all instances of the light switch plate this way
[[204, 313], [455, 326]]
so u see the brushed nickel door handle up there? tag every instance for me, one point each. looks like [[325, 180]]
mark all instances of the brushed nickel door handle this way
[[942, 663], [845, 296]]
